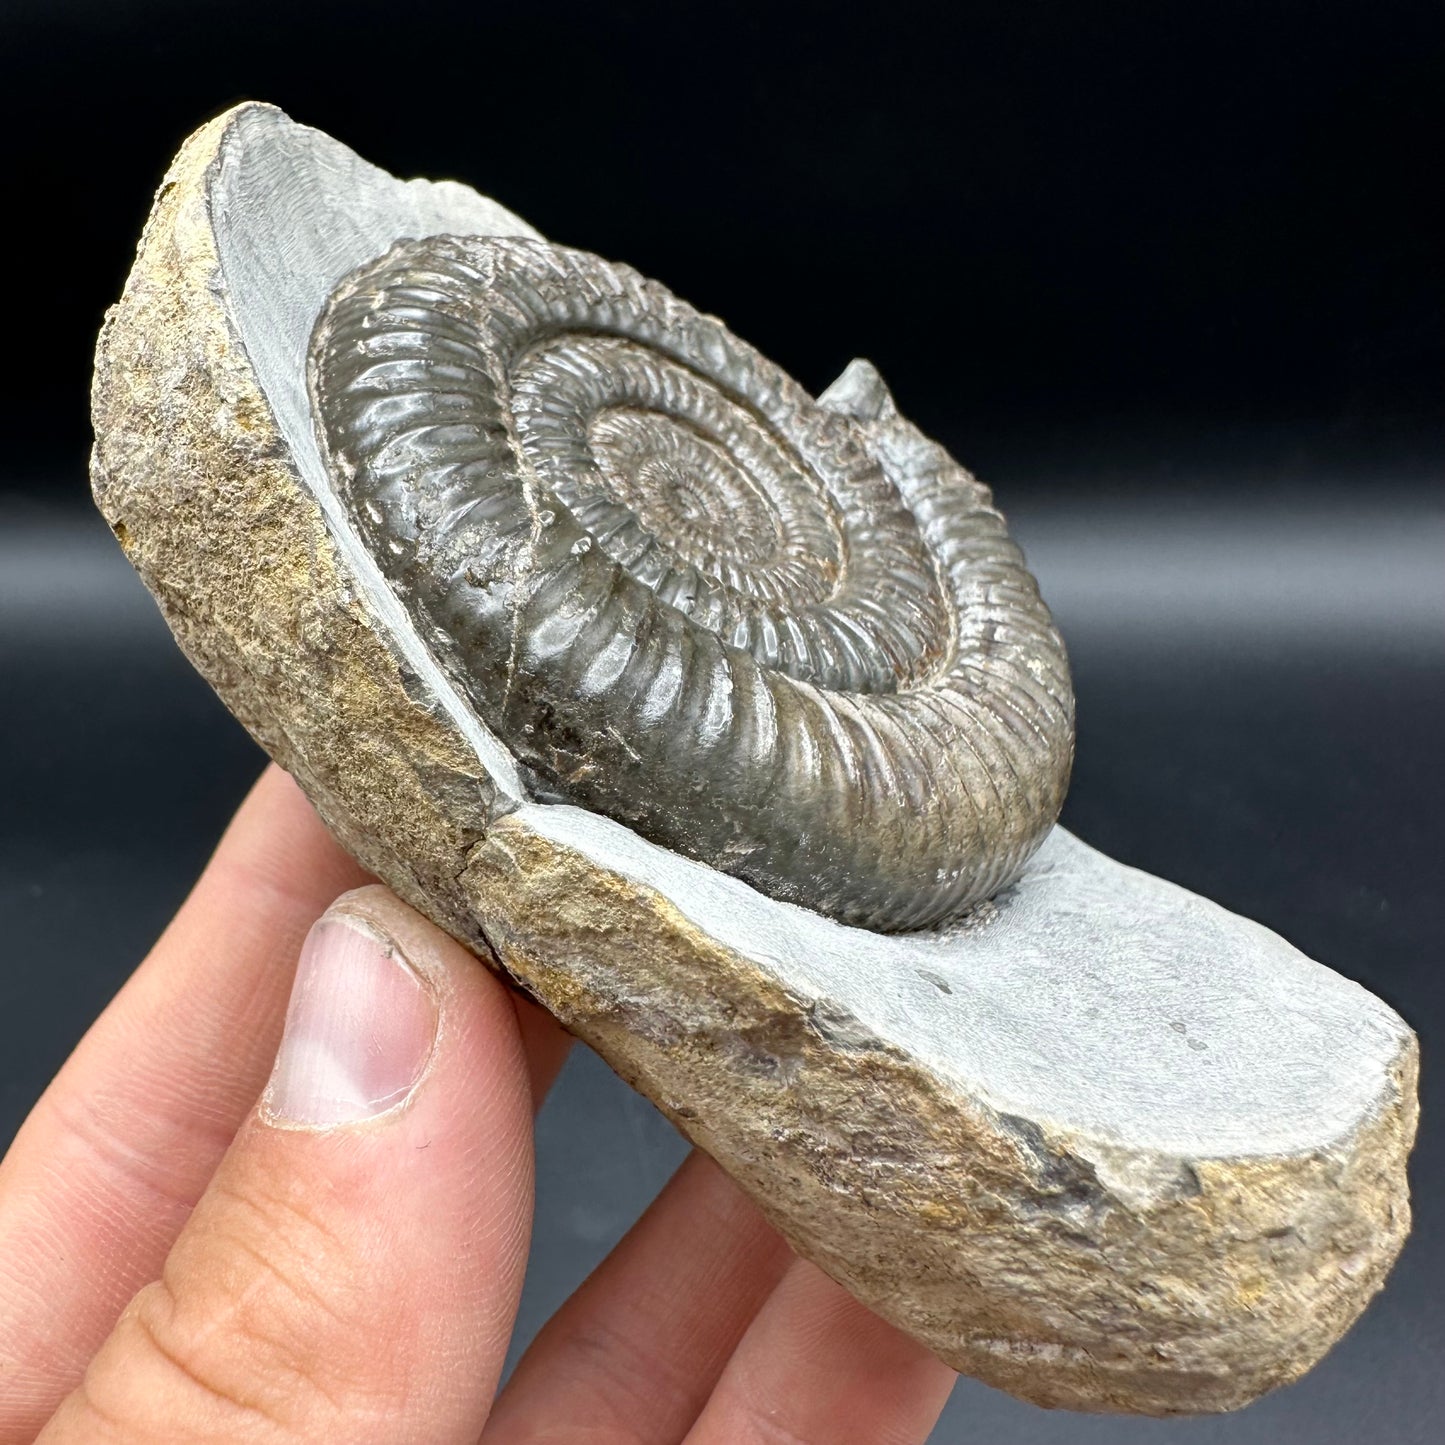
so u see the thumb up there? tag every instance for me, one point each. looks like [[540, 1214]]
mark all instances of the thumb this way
[[353, 1270]]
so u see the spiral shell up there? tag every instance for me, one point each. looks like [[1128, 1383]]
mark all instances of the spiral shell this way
[[686, 595]]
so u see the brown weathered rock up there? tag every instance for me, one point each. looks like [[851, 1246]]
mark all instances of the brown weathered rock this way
[[1103, 1144]]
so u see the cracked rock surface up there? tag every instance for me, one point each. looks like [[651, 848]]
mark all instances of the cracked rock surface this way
[[1101, 1143]]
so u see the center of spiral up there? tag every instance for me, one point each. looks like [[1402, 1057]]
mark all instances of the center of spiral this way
[[684, 486]]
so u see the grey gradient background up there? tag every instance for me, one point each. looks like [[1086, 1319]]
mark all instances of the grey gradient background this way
[[1167, 276]]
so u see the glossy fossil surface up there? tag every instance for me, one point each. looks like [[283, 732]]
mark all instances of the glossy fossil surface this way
[[686, 595]]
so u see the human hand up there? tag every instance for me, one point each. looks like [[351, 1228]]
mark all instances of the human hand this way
[[342, 1260]]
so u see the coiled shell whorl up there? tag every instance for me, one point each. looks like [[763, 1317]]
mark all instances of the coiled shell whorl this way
[[759, 631]]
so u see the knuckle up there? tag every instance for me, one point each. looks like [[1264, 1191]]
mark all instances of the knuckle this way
[[296, 1279], [270, 1285], [149, 1376], [248, 1332]]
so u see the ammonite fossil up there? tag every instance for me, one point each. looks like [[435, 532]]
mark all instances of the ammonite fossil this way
[[685, 594]]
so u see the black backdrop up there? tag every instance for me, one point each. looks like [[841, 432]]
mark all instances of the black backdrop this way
[[1168, 275], [1161, 229]]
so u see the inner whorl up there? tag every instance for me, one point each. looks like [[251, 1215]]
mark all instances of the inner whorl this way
[[685, 595]]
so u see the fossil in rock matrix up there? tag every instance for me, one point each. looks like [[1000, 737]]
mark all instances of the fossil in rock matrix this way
[[1109, 1146], [684, 593]]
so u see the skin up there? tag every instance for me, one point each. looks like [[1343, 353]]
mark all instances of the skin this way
[[174, 1265]]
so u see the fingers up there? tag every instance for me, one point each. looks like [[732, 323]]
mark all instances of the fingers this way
[[632, 1356], [353, 1269], [107, 1167], [816, 1368], [702, 1315]]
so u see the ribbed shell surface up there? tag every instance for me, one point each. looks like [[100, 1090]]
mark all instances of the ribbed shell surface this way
[[793, 646]]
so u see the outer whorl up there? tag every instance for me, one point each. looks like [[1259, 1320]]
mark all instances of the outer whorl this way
[[685, 594]]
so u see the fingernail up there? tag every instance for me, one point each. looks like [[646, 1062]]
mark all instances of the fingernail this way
[[359, 1030]]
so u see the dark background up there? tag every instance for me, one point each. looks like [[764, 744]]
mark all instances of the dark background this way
[[1167, 275]]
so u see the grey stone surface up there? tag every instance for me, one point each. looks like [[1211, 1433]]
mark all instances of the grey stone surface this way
[[1120, 1007], [294, 212]]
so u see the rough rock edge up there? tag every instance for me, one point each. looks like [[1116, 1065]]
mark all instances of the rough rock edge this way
[[995, 1245]]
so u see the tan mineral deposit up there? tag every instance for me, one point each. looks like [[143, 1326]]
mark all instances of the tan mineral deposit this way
[[728, 724]]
